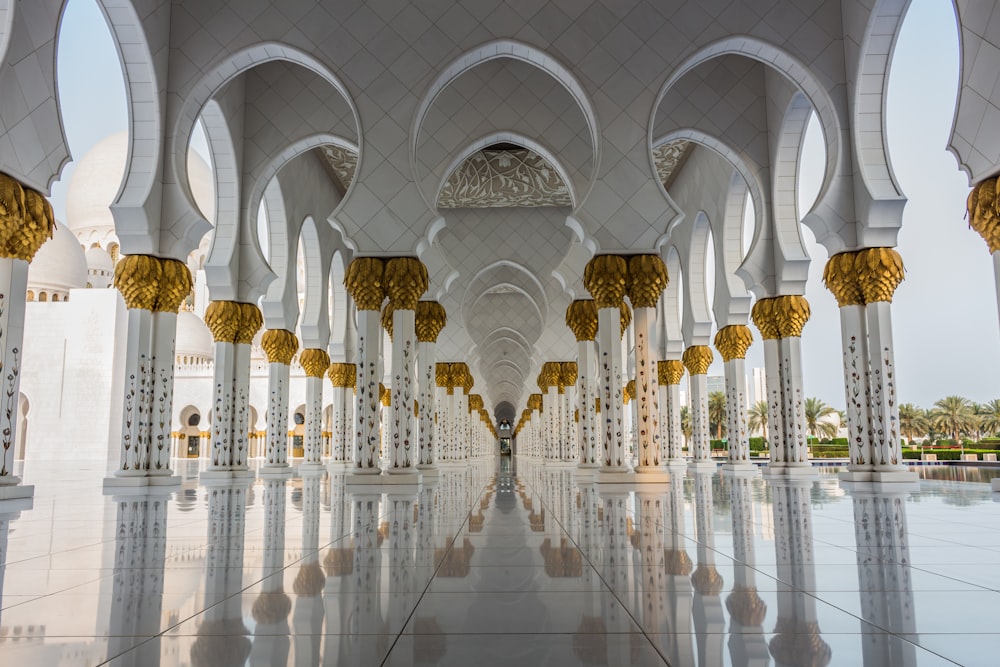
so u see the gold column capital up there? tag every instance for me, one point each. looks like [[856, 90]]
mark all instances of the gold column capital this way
[[251, 320], [137, 277], [841, 279], [763, 318], [647, 278], [175, 285], [222, 317], [605, 277], [406, 281], [733, 341], [569, 371], [314, 361], [431, 318], [626, 318], [386, 318], [697, 359], [280, 345], [535, 402], [581, 318], [879, 272], [364, 282], [37, 226], [12, 207], [984, 215], [670, 371], [441, 374], [791, 313], [343, 375]]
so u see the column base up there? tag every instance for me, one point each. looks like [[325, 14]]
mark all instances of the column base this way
[[651, 475], [880, 487], [677, 465], [995, 484], [703, 465], [124, 480], [745, 469], [13, 489], [586, 474], [312, 467], [614, 476], [275, 471], [401, 476], [895, 476], [223, 475], [355, 478], [795, 471], [429, 471], [560, 464]]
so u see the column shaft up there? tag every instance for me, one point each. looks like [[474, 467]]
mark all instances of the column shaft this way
[[222, 406], [313, 441], [854, 337], [138, 386], [775, 403], [675, 433], [401, 436], [736, 411], [794, 413], [585, 394], [241, 406], [164, 334], [647, 389], [700, 445], [886, 453], [426, 355], [609, 341], [367, 418], [276, 452]]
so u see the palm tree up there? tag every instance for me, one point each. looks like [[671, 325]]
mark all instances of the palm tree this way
[[991, 417], [686, 423], [717, 412], [954, 415], [757, 418], [815, 411], [912, 422]]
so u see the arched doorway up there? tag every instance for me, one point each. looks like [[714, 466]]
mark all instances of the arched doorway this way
[[189, 434], [298, 433]]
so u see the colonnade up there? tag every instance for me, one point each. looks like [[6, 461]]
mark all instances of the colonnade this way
[[863, 282]]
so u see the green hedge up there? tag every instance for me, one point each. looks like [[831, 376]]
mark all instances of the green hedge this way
[[830, 453], [757, 444], [719, 444], [947, 454]]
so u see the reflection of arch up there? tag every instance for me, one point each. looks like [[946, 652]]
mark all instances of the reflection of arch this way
[[23, 407]]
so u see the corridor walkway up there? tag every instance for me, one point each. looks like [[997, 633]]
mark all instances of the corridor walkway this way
[[503, 563]]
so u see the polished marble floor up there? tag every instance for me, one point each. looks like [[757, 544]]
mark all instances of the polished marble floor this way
[[499, 563]]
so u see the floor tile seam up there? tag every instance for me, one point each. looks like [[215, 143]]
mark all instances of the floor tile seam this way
[[604, 581], [59, 592], [437, 568], [945, 576]]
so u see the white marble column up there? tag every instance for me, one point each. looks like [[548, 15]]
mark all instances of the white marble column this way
[[401, 432], [222, 405], [27, 223], [732, 342], [587, 430], [364, 282], [854, 338], [747, 645], [315, 362], [272, 606], [570, 443], [647, 393], [430, 320], [697, 359], [138, 388], [343, 376], [280, 346], [670, 373], [164, 333], [793, 395], [442, 432]]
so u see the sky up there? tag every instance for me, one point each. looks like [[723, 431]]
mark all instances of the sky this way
[[945, 320]]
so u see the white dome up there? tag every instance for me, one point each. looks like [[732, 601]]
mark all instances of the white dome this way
[[193, 337], [98, 175], [98, 260], [60, 264]]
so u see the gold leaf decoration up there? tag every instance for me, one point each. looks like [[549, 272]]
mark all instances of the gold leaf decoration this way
[[280, 345], [605, 277], [733, 341], [697, 359], [363, 281], [581, 318], [647, 278], [314, 362]]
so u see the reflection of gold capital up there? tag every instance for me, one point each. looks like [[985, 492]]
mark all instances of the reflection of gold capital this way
[[605, 278], [339, 562], [343, 375], [310, 580], [677, 563], [251, 320], [222, 317], [799, 643], [629, 391], [279, 345], [879, 272], [647, 278], [363, 281], [733, 341], [697, 359], [137, 277], [707, 580], [271, 607], [314, 362], [384, 395], [746, 606], [405, 281], [431, 318], [842, 280], [175, 285], [581, 318]]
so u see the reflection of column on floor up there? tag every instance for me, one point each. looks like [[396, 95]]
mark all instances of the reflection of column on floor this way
[[709, 619], [272, 606], [429, 646], [307, 615], [882, 539], [367, 612], [651, 575], [797, 637], [140, 553], [617, 565], [402, 579], [678, 568], [338, 563], [747, 610], [222, 631]]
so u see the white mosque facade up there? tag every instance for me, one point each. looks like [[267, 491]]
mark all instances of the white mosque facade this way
[[75, 332]]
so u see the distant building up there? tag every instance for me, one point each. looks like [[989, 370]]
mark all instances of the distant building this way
[[716, 383]]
